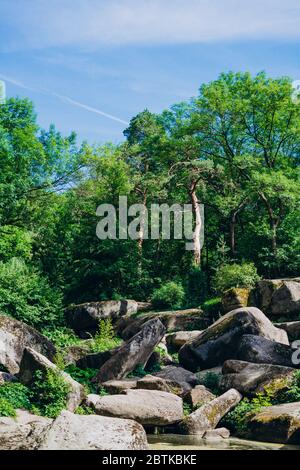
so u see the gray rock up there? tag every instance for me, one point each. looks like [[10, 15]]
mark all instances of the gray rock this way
[[184, 378], [23, 432], [78, 432], [179, 338], [72, 354], [199, 395], [189, 319], [263, 351], [286, 300], [279, 423], [250, 379], [235, 298], [133, 353], [6, 377], [292, 328], [277, 297], [218, 433], [33, 361], [208, 416], [148, 407], [150, 382], [85, 317], [219, 341], [96, 360], [15, 336], [118, 386]]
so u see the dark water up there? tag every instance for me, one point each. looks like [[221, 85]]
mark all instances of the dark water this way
[[180, 442]]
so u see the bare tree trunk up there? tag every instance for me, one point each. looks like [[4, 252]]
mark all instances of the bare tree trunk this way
[[141, 234], [274, 221], [197, 229]]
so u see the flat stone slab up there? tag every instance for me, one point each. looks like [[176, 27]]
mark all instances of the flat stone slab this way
[[148, 407]]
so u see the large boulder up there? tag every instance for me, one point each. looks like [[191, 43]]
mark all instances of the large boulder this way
[[150, 382], [96, 360], [78, 432], [15, 336], [33, 361], [23, 432], [174, 320], [279, 423], [264, 351], [148, 407], [114, 387], [250, 379], [74, 353], [184, 378], [292, 328], [219, 341], [199, 395], [208, 416], [135, 352], [277, 297], [177, 339], [235, 298], [84, 318]]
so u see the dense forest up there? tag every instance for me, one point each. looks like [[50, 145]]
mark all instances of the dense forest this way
[[234, 148]]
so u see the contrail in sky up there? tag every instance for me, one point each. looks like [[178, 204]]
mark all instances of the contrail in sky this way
[[63, 98]]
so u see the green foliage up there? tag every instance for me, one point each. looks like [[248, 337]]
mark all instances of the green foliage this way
[[170, 295], [235, 275], [83, 376], [6, 408], [211, 381], [105, 337], [84, 410], [212, 308], [187, 409], [49, 393], [26, 295], [139, 371], [61, 336], [16, 394]]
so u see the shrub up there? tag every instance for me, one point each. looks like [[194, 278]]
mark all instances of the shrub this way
[[170, 295], [49, 393], [6, 408], [211, 381], [27, 296], [105, 337], [83, 376], [212, 308], [235, 275], [16, 394], [61, 336]]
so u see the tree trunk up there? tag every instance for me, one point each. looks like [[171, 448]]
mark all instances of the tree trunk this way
[[197, 229], [140, 240], [232, 233]]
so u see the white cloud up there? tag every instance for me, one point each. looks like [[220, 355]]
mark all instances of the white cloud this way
[[97, 23]]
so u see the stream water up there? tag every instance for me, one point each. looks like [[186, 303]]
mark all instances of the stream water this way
[[180, 442]]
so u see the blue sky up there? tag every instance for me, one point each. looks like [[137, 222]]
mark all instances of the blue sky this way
[[90, 65]]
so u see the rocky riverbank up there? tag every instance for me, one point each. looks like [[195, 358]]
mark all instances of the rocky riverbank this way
[[193, 382]]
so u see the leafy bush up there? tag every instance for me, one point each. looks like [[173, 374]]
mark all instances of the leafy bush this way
[[235, 275], [49, 393], [105, 337], [211, 381], [61, 336], [84, 410], [6, 408], [212, 308], [237, 419], [16, 394], [83, 376], [170, 295], [27, 296]]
